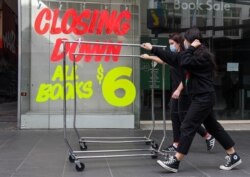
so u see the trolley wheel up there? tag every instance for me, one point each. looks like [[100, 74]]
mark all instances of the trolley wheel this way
[[83, 146], [155, 146], [71, 159], [154, 155], [80, 166]]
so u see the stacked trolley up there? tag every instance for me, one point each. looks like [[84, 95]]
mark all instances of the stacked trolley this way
[[75, 156]]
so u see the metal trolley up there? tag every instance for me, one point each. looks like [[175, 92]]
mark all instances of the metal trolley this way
[[75, 156]]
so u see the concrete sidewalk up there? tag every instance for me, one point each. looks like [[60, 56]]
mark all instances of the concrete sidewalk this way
[[37, 153], [239, 125]]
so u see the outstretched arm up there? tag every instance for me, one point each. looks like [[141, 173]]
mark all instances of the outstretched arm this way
[[164, 54], [153, 58]]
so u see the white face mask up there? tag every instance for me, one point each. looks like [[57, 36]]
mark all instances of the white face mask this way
[[173, 48]]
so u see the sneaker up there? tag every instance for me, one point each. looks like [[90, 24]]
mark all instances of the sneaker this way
[[233, 160], [172, 164], [210, 143], [170, 148]]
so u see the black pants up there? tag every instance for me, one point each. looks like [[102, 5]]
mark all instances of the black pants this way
[[201, 111], [184, 103], [175, 118], [179, 109]]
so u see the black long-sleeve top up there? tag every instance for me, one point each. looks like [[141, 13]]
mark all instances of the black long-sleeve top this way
[[198, 64], [175, 78], [176, 72]]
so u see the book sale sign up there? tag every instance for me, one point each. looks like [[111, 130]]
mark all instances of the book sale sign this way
[[87, 22]]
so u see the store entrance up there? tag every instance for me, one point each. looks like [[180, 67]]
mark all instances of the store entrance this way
[[8, 61]]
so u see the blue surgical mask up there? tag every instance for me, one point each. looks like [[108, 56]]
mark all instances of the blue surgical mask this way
[[173, 48]]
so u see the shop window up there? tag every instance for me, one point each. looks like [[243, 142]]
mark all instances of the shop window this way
[[200, 21], [134, 9], [231, 23], [174, 23], [170, 8], [232, 12], [203, 10], [231, 19], [49, 27]]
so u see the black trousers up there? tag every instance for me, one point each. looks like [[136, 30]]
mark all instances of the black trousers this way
[[201, 111], [184, 103], [179, 109], [175, 118]]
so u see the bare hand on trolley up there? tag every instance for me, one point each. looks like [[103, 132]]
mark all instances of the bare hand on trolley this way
[[145, 56], [147, 46]]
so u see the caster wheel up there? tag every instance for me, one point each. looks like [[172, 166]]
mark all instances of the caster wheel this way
[[80, 166], [83, 147], [155, 146], [154, 155], [71, 159], [147, 143]]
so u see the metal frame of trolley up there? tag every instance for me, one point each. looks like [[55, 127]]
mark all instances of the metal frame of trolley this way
[[75, 156]]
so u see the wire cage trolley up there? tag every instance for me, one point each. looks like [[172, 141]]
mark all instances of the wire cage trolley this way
[[75, 156]]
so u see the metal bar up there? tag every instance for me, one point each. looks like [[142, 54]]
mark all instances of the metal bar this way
[[110, 55], [164, 107], [88, 2], [74, 75], [115, 142], [108, 43], [242, 102], [112, 156], [20, 59], [109, 151], [115, 138], [64, 102], [152, 102]]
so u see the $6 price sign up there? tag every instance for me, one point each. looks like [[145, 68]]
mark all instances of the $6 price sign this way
[[117, 79]]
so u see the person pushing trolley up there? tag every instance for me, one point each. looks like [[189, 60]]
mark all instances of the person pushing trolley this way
[[199, 64]]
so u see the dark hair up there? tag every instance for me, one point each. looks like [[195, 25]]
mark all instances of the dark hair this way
[[178, 39], [204, 51], [192, 34]]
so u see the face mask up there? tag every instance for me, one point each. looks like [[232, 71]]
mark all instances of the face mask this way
[[173, 48]]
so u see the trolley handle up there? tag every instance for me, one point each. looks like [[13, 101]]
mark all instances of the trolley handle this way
[[108, 43]]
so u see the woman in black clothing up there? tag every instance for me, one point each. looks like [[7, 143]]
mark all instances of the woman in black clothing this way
[[199, 64], [179, 101]]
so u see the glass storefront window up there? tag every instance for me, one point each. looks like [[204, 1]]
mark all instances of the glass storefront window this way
[[104, 84], [225, 26], [46, 23]]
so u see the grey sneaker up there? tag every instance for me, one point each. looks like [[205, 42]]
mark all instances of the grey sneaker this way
[[172, 164], [233, 160], [210, 143]]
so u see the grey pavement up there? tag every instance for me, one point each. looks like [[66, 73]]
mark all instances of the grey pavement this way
[[43, 153]]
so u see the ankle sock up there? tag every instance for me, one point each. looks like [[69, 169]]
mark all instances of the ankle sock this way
[[207, 136]]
